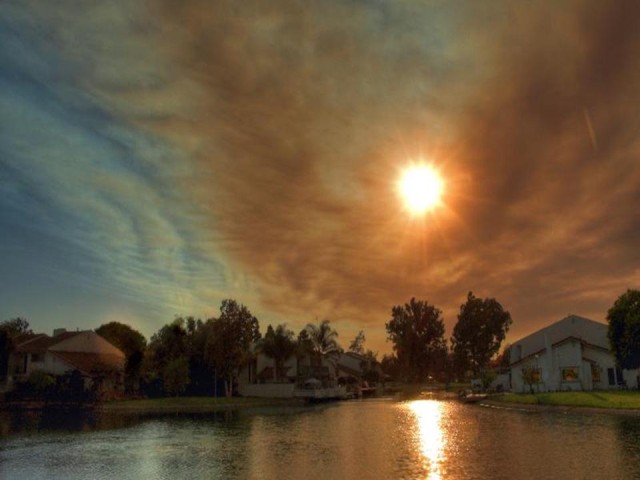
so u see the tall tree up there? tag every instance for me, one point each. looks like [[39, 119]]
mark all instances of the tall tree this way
[[279, 345], [230, 340], [16, 326], [133, 345], [9, 329], [166, 346], [624, 329], [323, 341], [357, 344], [482, 326], [417, 332]]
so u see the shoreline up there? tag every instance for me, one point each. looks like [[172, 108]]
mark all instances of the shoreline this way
[[564, 409], [158, 405], [194, 404]]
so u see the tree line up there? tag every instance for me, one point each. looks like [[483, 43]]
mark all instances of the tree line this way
[[196, 357], [420, 349]]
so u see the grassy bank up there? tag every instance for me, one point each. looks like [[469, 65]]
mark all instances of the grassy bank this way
[[610, 400], [193, 404]]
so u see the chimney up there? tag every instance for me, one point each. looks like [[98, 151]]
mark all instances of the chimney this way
[[58, 331]]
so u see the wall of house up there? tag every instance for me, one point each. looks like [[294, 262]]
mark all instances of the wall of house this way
[[566, 359], [603, 361], [263, 362], [267, 390], [55, 365], [89, 342], [567, 356]]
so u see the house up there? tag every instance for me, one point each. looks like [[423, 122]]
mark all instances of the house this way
[[571, 354], [259, 379], [85, 351]]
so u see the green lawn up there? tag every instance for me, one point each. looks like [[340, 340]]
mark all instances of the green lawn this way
[[192, 404], [614, 399]]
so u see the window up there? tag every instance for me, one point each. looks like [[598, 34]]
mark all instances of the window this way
[[531, 375], [595, 373], [36, 357], [570, 374], [612, 376]]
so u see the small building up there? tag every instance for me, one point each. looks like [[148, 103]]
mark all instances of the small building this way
[[571, 354], [258, 378], [85, 351]]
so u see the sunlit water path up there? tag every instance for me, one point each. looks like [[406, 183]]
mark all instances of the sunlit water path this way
[[420, 439]]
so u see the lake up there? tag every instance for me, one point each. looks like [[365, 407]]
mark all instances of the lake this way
[[369, 439]]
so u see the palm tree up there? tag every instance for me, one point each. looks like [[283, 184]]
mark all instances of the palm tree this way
[[279, 345], [323, 342]]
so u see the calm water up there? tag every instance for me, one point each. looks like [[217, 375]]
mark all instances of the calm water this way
[[426, 439]]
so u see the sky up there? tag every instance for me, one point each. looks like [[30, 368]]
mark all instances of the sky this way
[[157, 157]]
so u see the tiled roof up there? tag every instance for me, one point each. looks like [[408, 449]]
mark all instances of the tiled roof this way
[[40, 343], [89, 362], [36, 344]]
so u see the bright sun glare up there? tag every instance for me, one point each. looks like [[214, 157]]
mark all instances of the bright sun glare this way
[[421, 187]]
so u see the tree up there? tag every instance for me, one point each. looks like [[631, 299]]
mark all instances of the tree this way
[[417, 332], [482, 326], [624, 329], [16, 326], [9, 329], [229, 341], [176, 376], [279, 345], [357, 345], [133, 345], [390, 366], [323, 342], [165, 346]]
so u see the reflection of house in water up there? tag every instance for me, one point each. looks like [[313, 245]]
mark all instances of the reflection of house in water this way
[[571, 354], [260, 379], [84, 351]]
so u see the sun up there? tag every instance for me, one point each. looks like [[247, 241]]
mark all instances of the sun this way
[[421, 188]]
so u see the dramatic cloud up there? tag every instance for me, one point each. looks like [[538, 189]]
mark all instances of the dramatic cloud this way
[[182, 152]]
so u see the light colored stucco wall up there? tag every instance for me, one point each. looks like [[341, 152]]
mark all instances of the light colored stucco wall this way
[[267, 390], [570, 354]]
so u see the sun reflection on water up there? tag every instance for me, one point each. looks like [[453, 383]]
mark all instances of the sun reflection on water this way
[[432, 440]]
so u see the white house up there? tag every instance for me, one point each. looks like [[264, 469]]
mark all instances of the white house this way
[[258, 379], [571, 354], [85, 351]]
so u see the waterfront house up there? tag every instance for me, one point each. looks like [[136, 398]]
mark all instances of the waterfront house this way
[[571, 354], [258, 378], [85, 351]]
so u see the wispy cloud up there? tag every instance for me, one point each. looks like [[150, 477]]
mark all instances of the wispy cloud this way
[[197, 150]]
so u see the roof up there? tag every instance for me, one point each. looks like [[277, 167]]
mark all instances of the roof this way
[[571, 327], [90, 362], [349, 370], [41, 342]]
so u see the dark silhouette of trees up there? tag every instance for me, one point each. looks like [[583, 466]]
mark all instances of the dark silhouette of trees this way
[[417, 332], [133, 345], [16, 326], [278, 344], [357, 344], [175, 376], [229, 342], [624, 329], [166, 346], [390, 366], [322, 340], [481, 328], [9, 329]]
